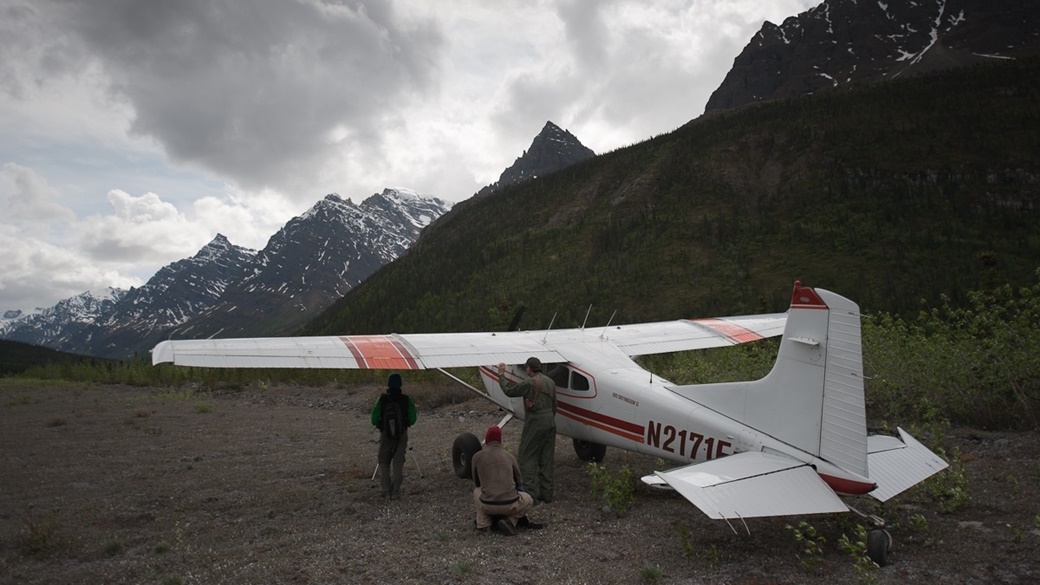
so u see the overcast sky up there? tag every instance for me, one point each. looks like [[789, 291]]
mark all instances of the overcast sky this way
[[132, 132]]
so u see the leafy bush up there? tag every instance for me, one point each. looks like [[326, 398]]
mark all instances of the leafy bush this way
[[975, 365], [616, 490]]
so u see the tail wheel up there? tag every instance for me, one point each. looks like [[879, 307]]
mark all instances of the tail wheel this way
[[462, 450], [589, 451], [879, 543]]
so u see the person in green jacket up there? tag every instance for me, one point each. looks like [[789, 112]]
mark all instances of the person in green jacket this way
[[537, 455], [393, 434]]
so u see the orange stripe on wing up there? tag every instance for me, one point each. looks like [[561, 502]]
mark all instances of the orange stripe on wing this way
[[731, 330], [379, 352]]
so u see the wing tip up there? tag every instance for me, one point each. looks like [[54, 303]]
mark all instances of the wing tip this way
[[162, 352]]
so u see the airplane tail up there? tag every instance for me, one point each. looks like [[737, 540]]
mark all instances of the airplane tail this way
[[812, 400], [813, 397]]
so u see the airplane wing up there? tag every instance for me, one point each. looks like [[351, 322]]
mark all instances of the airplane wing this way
[[750, 485], [419, 351], [377, 352], [897, 464], [689, 334]]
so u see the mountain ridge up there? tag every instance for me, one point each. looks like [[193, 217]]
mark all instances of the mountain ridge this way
[[840, 43]]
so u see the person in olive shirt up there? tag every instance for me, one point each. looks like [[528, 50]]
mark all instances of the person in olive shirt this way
[[537, 455], [392, 450]]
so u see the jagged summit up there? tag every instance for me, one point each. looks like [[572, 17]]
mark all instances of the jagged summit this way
[[845, 42], [217, 247], [552, 150]]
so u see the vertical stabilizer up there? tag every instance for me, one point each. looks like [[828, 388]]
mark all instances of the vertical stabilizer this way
[[813, 397]]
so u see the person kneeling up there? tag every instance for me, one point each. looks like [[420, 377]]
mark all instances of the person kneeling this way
[[498, 490]]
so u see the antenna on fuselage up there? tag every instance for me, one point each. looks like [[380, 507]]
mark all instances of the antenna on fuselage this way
[[546, 336], [607, 326], [586, 317]]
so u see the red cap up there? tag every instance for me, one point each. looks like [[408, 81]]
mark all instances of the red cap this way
[[494, 434]]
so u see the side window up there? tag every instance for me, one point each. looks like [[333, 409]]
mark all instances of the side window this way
[[558, 374], [579, 382]]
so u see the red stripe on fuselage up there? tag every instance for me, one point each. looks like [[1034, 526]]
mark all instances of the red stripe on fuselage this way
[[731, 330], [380, 352], [616, 426]]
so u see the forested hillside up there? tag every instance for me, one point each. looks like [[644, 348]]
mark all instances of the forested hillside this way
[[891, 194]]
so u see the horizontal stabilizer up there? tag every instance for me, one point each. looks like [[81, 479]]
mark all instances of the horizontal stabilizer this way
[[897, 464], [750, 485]]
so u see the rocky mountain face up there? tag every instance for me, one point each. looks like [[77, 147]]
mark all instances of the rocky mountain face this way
[[553, 149], [226, 290], [313, 261], [175, 294], [845, 42], [64, 324]]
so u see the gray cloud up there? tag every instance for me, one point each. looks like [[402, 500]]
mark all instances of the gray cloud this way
[[253, 90], [26, 197]]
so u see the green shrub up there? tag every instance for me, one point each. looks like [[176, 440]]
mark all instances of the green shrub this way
[[810, 544], [615, 490], [41, 538], [856, 548]]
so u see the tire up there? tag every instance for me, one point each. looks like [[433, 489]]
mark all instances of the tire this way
[[462, 450], [589, 451], [879, 543]]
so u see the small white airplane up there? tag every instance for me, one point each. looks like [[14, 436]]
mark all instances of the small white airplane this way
[[788, 444]]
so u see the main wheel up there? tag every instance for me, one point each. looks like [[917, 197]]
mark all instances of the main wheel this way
[[879, 543], [589, 451], [462, 450]]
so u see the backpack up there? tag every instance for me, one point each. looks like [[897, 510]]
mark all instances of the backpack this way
[[393, 420]]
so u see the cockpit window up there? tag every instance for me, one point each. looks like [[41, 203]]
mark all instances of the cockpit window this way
[[579, 382], [566, 378], [558, 374]]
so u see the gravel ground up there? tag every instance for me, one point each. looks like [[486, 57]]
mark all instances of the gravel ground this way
[[108, 484]]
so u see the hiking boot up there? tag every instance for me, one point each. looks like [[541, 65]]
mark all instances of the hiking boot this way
[[505, 527], [525, 522]]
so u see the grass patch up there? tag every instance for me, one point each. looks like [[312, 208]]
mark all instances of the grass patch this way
[[650, 574], [112, 547], [20, 400], [461, 569], [40, 538]]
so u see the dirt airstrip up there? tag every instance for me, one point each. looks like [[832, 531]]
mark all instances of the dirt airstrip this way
[[110, 484]]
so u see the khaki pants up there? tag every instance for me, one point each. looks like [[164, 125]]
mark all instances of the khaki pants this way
[[514, 511]]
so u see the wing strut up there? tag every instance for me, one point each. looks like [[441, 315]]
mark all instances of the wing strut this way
[[484, 395], [466, 384]]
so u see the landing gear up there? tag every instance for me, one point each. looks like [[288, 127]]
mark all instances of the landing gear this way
[[879, 543], [589, 451], [462, 450]]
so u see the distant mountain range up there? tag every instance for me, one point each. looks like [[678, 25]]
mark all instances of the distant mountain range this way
[[842, 43], [229, 291], [226, 290]]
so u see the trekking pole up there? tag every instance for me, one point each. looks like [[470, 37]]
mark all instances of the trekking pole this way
[[415, 460]]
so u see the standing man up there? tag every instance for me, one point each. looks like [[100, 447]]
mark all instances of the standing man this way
[[497, 480], [392, 414], [538, 440]]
